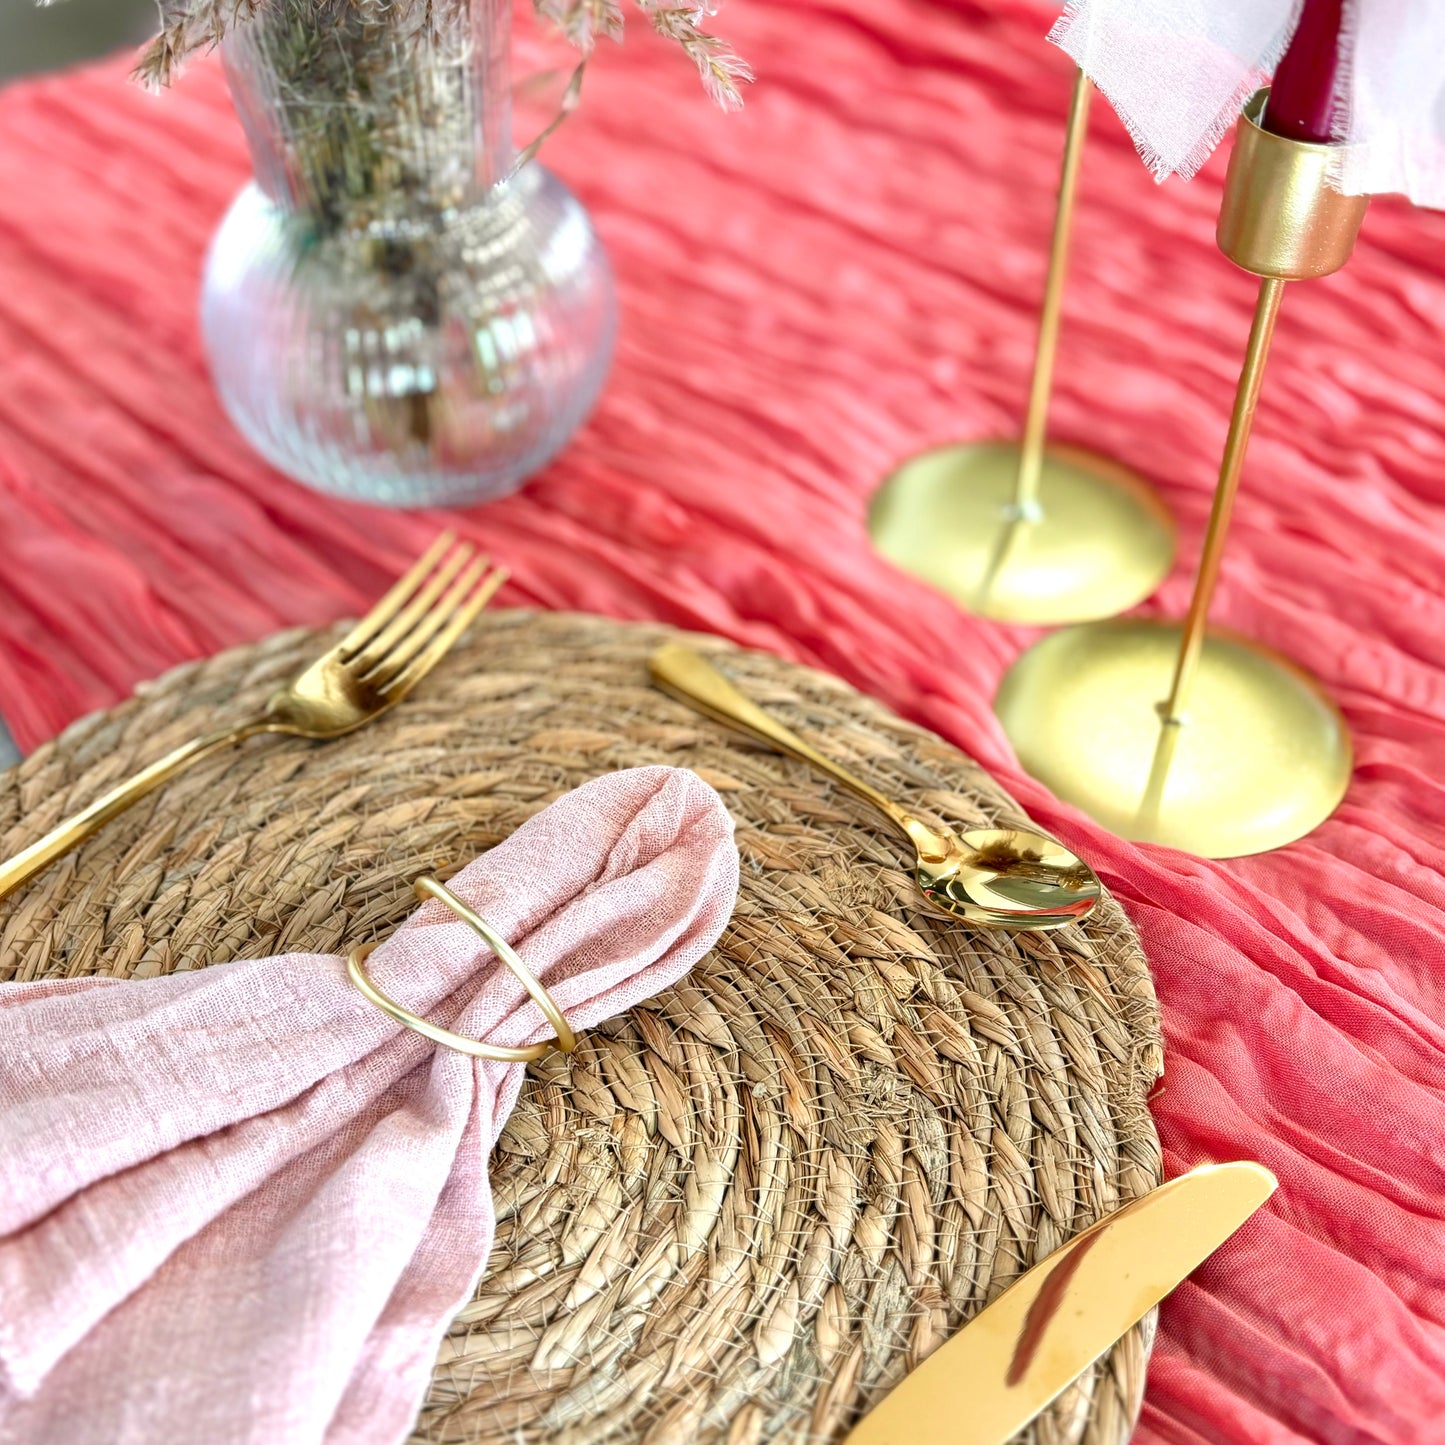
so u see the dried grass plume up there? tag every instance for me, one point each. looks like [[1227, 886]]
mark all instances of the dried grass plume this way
[[188, 26]]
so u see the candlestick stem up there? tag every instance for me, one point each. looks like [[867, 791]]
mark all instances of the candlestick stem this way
[[1031, 450], [1241, 421], [1021, 530]]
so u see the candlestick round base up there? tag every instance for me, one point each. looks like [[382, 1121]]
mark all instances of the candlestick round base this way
[[1099, 542], [1260, 758]]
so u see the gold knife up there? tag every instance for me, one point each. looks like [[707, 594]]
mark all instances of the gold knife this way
[[1028, 1346]]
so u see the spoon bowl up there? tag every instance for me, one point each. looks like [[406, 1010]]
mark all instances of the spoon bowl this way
[[1009, 878]]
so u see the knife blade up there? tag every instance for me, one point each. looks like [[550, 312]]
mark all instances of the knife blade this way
[[1024, 1350]]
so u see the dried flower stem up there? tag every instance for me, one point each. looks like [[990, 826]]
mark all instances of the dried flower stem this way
[[187, 26]]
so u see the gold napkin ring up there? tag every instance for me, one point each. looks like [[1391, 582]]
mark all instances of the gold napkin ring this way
[[565, 1040]]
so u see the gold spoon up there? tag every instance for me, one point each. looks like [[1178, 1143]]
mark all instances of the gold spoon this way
[[994, 877]]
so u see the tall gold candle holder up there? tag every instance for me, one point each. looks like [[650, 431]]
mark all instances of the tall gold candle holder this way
[[1028, 532], [1167, 732]]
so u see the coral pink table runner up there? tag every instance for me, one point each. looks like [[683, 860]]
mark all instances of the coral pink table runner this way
[[847, 272]]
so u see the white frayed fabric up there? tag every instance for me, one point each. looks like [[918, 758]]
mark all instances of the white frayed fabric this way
[[1178, 71], [1394, 98]]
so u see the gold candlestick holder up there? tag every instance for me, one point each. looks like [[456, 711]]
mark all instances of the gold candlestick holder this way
[[1028, 532], [1167, 732]]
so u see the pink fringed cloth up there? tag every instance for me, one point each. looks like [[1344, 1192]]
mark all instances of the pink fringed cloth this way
[[242, 1204]]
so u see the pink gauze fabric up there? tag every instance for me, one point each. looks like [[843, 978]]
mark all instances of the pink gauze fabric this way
[[241, 1204]]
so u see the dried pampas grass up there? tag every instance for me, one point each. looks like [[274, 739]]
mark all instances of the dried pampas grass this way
[[191, 25]]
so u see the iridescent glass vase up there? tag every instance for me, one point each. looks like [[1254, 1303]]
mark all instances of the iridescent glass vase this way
[[390, 312]]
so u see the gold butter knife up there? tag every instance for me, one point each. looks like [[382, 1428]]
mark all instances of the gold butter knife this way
[[1027, 1347]]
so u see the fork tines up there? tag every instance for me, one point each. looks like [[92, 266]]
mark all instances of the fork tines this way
[[403, 637]]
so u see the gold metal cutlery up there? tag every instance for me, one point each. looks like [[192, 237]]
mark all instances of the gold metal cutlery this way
[[368, 672], [1022, 1351], [994, 877]]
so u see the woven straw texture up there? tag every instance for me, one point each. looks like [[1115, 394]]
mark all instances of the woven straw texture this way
[[743, 1212]]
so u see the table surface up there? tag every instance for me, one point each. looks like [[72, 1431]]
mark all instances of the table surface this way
[[846, 273]]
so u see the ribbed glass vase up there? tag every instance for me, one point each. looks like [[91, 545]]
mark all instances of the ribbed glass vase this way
[[389, 313]]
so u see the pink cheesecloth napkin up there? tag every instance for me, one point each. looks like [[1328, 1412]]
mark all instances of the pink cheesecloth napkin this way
[[241, 1204]]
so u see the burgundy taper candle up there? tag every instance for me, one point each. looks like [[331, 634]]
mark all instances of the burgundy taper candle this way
[[1302, 98]]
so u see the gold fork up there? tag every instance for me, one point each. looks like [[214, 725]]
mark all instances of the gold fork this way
[[369, 671]]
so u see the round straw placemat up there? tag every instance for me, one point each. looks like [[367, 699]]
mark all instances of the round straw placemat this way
[[742, 1212]]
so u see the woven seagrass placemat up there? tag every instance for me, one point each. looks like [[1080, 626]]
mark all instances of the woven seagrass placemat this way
[[744, 1211]]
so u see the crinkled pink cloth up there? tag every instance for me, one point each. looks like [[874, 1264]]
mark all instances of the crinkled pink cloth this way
[[847, 271], [242, 1204]]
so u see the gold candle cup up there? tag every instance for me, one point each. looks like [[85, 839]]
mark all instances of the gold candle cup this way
[[1282, 218]]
